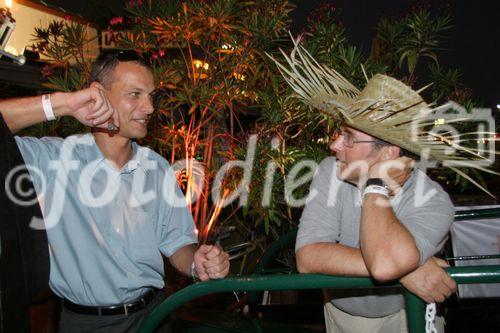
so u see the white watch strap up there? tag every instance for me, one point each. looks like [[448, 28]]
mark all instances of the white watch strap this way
[[47, 107], [376, 189]]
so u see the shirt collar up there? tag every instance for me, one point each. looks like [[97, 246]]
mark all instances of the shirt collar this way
[[92, 154]]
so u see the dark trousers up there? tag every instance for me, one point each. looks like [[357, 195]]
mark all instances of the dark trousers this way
[[79, 323]]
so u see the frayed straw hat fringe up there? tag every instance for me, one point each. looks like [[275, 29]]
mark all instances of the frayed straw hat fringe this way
[[386, 108]]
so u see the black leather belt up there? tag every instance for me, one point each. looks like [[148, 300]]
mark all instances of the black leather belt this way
[[119, 309]]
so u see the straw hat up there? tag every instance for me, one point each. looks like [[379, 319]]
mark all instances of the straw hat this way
[[386, 108]]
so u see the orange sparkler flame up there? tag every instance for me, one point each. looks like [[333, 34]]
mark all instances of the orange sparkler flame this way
[[215, 215]]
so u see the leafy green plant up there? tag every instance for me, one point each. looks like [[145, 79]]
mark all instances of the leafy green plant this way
[[217, 86], [403, 43]]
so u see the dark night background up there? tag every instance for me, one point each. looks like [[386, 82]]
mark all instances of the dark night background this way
[[472, 45]]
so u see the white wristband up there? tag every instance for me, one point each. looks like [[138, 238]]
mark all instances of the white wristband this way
[[47, 107], [377, 190]]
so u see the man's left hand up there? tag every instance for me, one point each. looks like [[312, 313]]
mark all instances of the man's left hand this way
[[211, 262], [430, 281]]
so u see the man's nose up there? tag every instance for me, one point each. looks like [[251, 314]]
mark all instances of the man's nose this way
[[148, 105], [337, 144]]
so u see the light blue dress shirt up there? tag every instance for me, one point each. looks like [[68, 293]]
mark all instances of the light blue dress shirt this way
[[106, 227]]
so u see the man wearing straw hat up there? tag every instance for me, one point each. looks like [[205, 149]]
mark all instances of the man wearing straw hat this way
[[369, 213], [110, 206]]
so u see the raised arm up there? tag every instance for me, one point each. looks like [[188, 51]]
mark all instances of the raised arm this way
[[388, 248], [89, 106]]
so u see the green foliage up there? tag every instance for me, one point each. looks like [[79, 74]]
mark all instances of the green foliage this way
[[398, 47], [408, 40], [67, 45], [211, 65], [217, 86]]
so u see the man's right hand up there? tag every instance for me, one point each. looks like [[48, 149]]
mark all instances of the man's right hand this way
[[430, 281], [394, 172], [89, 106], [211, 262]]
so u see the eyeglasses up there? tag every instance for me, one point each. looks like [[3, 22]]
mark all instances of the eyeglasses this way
[[348, 140]]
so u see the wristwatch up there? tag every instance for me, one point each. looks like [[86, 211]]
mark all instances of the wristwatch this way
[[376, 181], [376, 185]]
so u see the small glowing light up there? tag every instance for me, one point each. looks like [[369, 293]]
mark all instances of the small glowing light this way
[[439, 121], [240, 77], [498, 106], [200, 64], [8, 3]]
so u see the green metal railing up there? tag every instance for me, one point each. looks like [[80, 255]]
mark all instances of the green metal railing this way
[[474, 214], [415, 307]]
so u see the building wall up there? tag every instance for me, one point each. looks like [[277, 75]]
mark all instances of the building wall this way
[[29, 15]]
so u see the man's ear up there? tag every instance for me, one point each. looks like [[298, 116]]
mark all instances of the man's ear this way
[[97, 85], [389, 153]]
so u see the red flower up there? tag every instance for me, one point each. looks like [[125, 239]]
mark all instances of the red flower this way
[[116, 20], [47, 71]]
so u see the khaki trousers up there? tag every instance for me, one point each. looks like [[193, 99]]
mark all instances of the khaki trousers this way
[[338, 321]]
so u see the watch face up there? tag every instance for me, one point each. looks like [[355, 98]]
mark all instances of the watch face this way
[[376, 181]]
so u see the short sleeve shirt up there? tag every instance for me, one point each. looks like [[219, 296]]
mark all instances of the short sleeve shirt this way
[[106, 227], [333, 214]]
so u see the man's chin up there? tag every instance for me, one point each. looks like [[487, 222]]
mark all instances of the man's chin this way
[[141, 136], [137, 134], [132, 135]]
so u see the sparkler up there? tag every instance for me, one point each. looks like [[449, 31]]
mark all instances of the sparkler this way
[[206, 238]]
